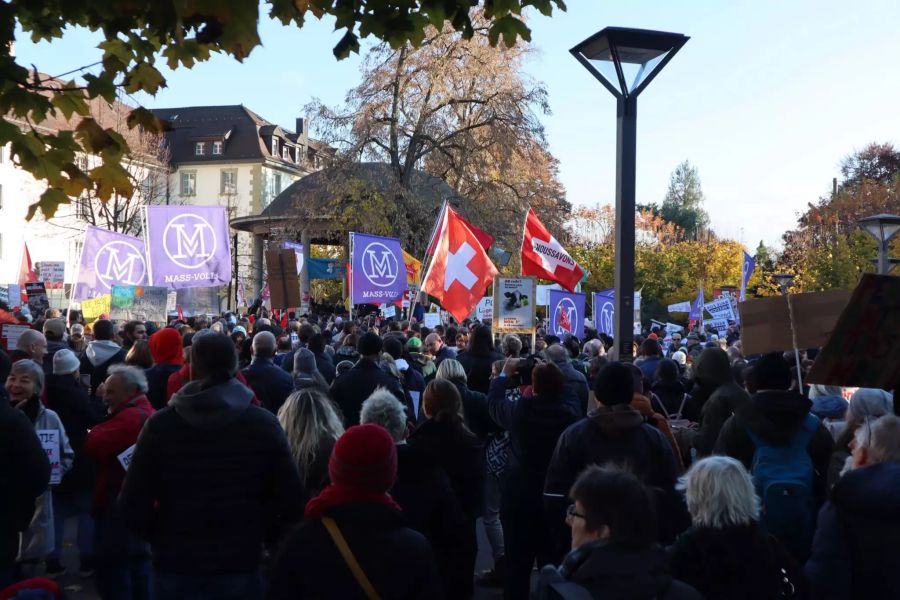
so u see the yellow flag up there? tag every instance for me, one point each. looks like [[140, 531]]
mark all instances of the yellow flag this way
[[413, 268]]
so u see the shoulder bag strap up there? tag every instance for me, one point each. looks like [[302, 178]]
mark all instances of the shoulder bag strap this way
[[358, 574]]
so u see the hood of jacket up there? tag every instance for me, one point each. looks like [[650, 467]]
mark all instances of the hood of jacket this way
[[872, 492], [166, 348], [712, 368], [616, 420], [214, 407], [100, 351], [774, 415], [617, 572]]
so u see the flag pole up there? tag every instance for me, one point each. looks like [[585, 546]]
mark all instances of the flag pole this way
[[77, 277], [350, 279], [425, 263]]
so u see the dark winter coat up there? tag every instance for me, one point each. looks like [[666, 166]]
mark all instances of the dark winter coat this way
[[575, 392], [671, 395], [475, 410], [325, 366], [854, 552], [775, 416], [478, 368], [443, 354], [351, 389], [158, 381], [609, 572], [24, 473], [733, 563], [619, 435], [78, 413], [396, 559], [270, 383], [209, 475]]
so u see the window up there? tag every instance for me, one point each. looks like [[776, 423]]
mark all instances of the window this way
[[189, 183], [228, 181], [84, 208], [217, 148], [286, 152], [277, 183], [274, 146], [200, 148]]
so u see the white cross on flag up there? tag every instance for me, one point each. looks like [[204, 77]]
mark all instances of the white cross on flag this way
[[460, 270], [543, 256]]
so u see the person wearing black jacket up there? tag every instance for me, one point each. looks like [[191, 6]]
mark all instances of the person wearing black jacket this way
[[475, 406], [269, 382], [445, 439], [210, 475], [100, 355], [410, 374], [534, 424], [72, 497], [478, 358], [323, 361], [350, 389], [615, 433], [24, 473]]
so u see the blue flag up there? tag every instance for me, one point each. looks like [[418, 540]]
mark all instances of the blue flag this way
[[566, 310], [326, 268], [747, 268], [697, 307], [605, 311], [378, 270]]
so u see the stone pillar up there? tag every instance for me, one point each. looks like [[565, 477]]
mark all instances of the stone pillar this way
[[256, 267]]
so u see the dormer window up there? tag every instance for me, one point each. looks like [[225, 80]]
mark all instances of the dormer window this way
[[274, 146], [217, 148], [199, 148], [286, 153]]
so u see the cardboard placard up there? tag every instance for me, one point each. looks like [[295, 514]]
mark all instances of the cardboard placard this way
[[863, 349], [38, 303], [514, 304], [138, 303], [50, 443], [766, 323], [431, 320], [284, 286], [11, 334], [93, 308], [389, 311], [52, 271]]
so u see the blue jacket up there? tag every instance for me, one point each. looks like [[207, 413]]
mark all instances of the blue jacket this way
[[271, 384], [854, 552]]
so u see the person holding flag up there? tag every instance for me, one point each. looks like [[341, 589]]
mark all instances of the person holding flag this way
[[543, 256]]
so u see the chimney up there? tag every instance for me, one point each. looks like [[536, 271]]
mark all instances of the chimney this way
[[302, 127]]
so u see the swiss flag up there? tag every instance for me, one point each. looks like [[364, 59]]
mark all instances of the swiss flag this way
[[483, 237], [461, 270], [543, 256]]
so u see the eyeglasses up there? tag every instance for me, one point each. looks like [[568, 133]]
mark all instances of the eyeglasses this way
[[572, 512]]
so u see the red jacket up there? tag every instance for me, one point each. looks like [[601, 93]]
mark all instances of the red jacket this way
[[109, 439], [183, 375]]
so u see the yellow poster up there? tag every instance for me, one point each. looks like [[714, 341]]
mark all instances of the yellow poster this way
[[92, 309]]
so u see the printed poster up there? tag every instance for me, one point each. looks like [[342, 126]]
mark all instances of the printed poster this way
[[138, 303], [514, 304]]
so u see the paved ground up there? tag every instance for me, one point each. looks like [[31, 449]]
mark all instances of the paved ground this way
[[83, 589]]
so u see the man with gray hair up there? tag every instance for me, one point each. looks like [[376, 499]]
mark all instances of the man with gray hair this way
[[575, 393], [854, 550], [269, 382], [122, 561], [32, 345], [422, 488]]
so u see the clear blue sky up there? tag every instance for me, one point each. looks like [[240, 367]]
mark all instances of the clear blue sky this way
[[765, 99]]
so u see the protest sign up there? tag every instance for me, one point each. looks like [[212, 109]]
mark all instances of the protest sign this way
[[377, 272], [138, 303], [38, 303], [680, 307], [389, 311], [863, 349], [188, 246], [108, 258], [485, 309], [11, 334], [566, 312], [431, 320], [673, 328], [57, 297], [514, 304], [191, 302], [766, 323], [4, 295], [171, 302], [50, 443], [15, 294], [284, 286], [95, 307], [125, 456], [720, 308], [52, 272], [720, 326]]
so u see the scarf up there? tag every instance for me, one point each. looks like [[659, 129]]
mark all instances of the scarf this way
[[340, 494]]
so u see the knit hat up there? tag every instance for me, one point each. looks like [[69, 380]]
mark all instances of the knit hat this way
[[680, 357], [414, 343], [365, 457], [369, 344], [65, 362], [869, 402], [304, 361], [239, 329]]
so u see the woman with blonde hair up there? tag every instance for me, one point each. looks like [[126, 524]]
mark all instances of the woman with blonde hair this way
[[725, 554], [312, 425]]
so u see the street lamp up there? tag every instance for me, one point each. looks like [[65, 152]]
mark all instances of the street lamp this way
[[783, 281], [625, 61], [883, 228]]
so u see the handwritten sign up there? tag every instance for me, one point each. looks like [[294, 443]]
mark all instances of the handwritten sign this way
[[125, 457], [52, 271], [389, 311], [431, 320], [50, 442]]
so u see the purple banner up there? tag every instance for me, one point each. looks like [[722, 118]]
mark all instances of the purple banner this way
[[566, 310], [188, 246], [696, 313], [605, 311], [377, 268], [107, 259]]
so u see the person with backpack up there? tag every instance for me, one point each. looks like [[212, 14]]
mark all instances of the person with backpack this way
[[615, 554], [787, 450]]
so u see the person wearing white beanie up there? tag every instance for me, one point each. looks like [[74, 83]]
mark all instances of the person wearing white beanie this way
[[65, 362]]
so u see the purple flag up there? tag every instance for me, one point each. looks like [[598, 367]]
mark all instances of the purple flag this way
[[378, 273], [107, 259], [697, 307], [605, 311], [747, 268], [566, 310], [188, 246]]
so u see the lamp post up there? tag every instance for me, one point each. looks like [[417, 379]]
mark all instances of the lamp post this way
[[883, 228], [625, 61]]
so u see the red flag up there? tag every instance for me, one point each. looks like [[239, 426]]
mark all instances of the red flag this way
[[460, 270], [483, 237], [26, 270], [543, 256]]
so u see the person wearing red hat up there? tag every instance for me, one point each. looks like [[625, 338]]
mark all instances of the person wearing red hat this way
[[165, 347], [354, 542]]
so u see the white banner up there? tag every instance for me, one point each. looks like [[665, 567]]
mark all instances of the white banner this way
[[720, 309], [680, 307], [720, 325], [431, 320], [674, 328]]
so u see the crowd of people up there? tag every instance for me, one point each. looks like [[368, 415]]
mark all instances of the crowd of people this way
[[246, 457]]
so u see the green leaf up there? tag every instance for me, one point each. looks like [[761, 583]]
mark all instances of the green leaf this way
[[70, 103], [111, 179], [349, 43], [93, 137], [102, 86], [145, 118], [510, 28], [144, 78], [48, 203]]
